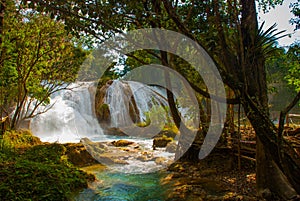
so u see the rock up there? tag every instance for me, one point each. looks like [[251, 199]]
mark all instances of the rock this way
[[161, 141], [102, 109], [93, 146], [120, 161], [79, 156], [160, 161], [167, 133], [104, 115], [145, 156], [122, 143], [96, 149], [142, 158], [114, 131], [171, 147]]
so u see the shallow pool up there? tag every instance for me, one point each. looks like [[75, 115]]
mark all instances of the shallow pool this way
[[117, 186]]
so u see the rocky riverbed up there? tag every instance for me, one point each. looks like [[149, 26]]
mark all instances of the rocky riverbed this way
[[213, 178]]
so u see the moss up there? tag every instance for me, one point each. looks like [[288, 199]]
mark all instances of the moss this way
[[161, 141], [28, 180], [78, 155], [38, 172], [51, 153], [142, 124], [171, 128], [104, 112], [20, 138], [121, 143]]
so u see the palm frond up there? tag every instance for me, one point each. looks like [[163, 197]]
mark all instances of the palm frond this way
[[266, 40]]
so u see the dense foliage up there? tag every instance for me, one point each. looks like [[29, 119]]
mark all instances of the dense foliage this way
[[38, 58], [30, 170], [230, 33], [293, 63]]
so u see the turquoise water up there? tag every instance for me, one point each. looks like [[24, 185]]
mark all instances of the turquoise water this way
[[117, 186]]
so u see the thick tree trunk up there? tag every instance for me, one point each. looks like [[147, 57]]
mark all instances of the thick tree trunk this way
[[270, 175], [192, 153]]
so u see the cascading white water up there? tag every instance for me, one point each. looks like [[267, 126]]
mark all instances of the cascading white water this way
[[146, 97], [118, 103], [70, 118], [119, 98]]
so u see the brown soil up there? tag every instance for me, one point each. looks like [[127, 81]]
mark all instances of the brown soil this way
[[217, 177], [214, 178]]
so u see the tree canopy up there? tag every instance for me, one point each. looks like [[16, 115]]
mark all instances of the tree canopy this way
[[38, 59], [230, 33]]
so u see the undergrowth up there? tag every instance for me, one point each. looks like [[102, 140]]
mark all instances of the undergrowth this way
[[31, 170]]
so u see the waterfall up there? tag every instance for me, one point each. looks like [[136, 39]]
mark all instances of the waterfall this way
[[70, 118], [130, 101]]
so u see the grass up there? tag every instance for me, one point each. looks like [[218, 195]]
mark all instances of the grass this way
[[31, 170]]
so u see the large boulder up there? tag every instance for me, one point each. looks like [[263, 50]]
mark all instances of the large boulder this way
[[103, 115], [103, 108], [161, 141], [168, 133], [78, 155]]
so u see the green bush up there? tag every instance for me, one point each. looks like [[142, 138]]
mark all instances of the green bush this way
[[29, 180], [47, 153], [20, 138], [36, 172]]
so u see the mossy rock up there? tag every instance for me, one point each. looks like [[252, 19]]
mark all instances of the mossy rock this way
[[45, 153], [103, 112], [122, 143], [142, 124], [79, 156], [29, 180], [168, 133], [40, 172], [102, 109], [161, 141], [93, 148], [21, 138]]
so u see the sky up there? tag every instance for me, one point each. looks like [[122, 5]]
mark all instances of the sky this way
[[281, 16]]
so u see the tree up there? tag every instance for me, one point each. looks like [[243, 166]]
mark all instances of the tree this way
[[229, 32], [39, 60], [293, 56], [296, 11], [282, 75]]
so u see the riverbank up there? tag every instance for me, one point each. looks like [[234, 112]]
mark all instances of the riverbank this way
[[32, 170], [216, 177]]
